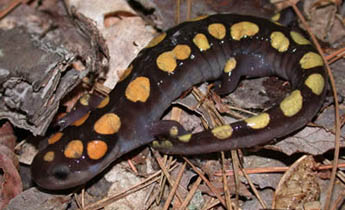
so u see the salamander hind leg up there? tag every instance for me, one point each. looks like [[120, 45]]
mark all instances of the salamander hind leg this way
[[227, 83]]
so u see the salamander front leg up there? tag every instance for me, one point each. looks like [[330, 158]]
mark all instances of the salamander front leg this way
[[167, 129], [85, 105]]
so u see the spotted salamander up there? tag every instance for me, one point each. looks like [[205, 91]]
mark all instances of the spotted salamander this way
[[221, 47]]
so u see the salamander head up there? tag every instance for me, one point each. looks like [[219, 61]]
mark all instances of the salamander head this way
[[62, 166]]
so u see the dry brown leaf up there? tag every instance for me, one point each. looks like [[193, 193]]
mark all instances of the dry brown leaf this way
[[298, 186], [10, 181], [310, 140]]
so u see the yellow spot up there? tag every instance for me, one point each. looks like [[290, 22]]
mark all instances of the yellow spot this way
[[108, 124], [277, 23], [222, 132], [49, 156], [199, 18], [292, 103], [166, 61], [84, 100], [138, 89], [162, 144], [243, 29], [298, 38], [311, 60], [230, 65], [96, 149], [156, 40], [275, 17], [54, 138], [279, 41], [74, 149], [104, 102], [81, 120], [200, 40], [126, 73], [316, 83], [217, 30], [259, 121], [173, 131], [185, 138], [181, 51], [155, 144]]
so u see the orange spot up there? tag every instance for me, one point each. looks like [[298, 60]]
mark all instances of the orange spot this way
[[96, 149], [217, 30], [54, 138], [81, 120], [201, 41], [108, 124], [74, 149], [243, 29], [230, 65], [182, 51], [157, 40], [166, 61], [126, 73], [138, 89], [84, 100], [104, 102], [49, 156]]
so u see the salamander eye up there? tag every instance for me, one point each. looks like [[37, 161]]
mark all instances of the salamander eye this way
[[61, 172]]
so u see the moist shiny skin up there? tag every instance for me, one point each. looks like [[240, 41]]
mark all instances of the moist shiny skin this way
[[221, 47]]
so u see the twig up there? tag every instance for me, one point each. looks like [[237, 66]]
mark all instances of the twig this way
[[191, 193], [11, 6], [108, 200], [212, 188], [174, 188]]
